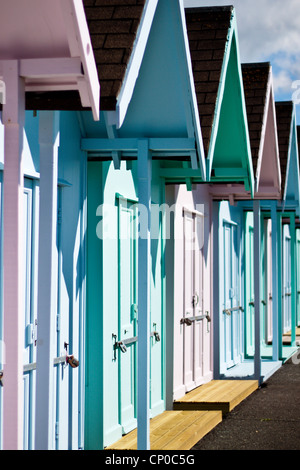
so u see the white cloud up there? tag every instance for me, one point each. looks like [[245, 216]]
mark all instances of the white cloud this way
[[268, 30]]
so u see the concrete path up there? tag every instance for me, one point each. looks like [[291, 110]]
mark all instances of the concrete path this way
[[269, 419]]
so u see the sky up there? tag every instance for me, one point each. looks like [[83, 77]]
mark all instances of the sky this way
[[269, 30]]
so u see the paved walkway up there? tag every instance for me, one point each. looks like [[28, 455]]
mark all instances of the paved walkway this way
[[269, 419]]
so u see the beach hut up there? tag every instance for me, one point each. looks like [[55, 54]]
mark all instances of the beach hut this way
[[288, 210], [261, 318], [45, 51], [206, 341], [148, 127]]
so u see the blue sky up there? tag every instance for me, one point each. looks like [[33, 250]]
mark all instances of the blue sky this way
[[269, 30]]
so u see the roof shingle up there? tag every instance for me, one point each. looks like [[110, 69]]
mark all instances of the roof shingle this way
[[113, 25], [284, 112], [207, 29], [255, 80]]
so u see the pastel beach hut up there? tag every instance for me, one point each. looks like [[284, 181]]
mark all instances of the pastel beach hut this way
[[45, 51], [288, 210], [148, 127], [203, 272]]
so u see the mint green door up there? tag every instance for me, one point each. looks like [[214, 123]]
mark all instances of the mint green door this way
[[249, 287], [127, 240], [298, 276], [231, 314]]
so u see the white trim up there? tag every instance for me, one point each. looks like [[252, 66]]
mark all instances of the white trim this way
[[80, 44], [135, 62]]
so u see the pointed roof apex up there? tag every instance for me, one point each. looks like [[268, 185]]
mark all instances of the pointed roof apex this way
[[256, 78], [284, 116], [207, 29]]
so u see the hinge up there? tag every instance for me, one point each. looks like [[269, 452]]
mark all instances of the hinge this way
[[56, 430], [58, 322], [59, 216]]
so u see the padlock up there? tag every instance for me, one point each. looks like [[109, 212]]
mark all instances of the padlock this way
[[156, 336], [72, 361], [122, 346]]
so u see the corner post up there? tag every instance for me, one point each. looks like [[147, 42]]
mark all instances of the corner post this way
[[144, 269], [275, 298], [257, 277], [13, 305]]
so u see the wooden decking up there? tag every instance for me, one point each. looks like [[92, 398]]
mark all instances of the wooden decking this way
[[221, 395], [173, 430], [194, 415]]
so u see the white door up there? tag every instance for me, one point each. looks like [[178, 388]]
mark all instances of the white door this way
[[195, 321]]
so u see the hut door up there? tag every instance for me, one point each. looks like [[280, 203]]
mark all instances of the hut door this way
[[286, 321], [231, 313], [268, 280], [195, 320], [127, 314], [298, 277], [249, 268], [30, 313]]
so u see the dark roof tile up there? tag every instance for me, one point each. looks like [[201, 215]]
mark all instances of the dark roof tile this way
[[284, 112], [116, 21], [207, 29], [255, 78]]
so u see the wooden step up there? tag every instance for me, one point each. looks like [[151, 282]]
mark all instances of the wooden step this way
[[221, 395], [289, 333], [173, 430]]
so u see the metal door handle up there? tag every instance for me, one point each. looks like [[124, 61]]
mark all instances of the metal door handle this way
[[189, 320], [233, 309]]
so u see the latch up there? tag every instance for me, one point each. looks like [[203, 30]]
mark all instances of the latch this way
[[70, 359], [122, 344], [233, 309], [156, 335], [1, 378]]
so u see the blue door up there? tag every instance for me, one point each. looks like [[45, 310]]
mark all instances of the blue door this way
[[127, 334], [249, 285], [30, 250], [231, 324], [286, 292]]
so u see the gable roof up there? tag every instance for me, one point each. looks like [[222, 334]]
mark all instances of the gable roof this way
[[284, 117], [113, 27], [207, 33], [260, 106], [289, 154], [218, 83]]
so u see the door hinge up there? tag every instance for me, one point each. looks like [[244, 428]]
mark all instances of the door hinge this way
[[56, 430], [58, 322]]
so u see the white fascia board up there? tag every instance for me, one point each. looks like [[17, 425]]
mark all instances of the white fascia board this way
[[219, 100], [194, 104], [263, 134], [269, 103], [80, 45], [293, 133], [134, 65]]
